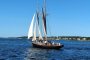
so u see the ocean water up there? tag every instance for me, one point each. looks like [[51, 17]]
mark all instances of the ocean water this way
[[21, 49]]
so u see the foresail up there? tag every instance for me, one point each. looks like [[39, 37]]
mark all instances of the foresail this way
[[34, 36], [39, 32], [38, 26], [40, 36], [30, 33]]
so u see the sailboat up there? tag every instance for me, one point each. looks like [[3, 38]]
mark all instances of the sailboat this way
[[34, 29]]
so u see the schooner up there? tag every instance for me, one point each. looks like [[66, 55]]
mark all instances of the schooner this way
[[35, 29]]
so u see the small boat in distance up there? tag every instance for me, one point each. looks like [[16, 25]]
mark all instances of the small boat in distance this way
[[35, 30]]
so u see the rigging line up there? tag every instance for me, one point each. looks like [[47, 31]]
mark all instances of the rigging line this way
[[37, 11], [49, 29]]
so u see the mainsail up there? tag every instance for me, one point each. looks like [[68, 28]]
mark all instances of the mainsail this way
[[44, 25], [30, 33], [44, 15], [44, 19]]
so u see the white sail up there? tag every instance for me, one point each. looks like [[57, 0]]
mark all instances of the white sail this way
[[40, 36], [30, 33], [44, 30], [34, 35], [39, 32]]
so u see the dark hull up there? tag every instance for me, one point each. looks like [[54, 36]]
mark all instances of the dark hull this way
[[47, 46]]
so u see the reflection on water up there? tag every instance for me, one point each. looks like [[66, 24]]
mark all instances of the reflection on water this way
[[37, 54], [21, 49]]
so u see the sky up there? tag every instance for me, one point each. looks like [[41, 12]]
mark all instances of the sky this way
[[64, 17]]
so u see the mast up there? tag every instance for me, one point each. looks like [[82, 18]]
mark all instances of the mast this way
[[44, 15], [44, 19], [37, 12]]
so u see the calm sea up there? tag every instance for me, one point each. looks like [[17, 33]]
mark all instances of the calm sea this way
[[21, 49]]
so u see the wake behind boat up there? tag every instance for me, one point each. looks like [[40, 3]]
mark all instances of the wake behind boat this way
[[36, 26]]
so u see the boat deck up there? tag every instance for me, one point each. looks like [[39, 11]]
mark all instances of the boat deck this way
[[47, 45]]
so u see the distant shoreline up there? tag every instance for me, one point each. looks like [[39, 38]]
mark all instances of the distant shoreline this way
[[60, 38]]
